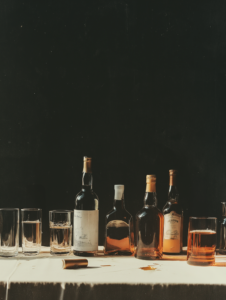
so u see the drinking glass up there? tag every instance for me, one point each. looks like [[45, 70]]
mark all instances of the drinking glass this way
[[202, 234], [9, 231], [31, 230], [60, 224]]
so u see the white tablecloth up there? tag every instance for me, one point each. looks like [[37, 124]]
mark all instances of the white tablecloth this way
[[42, 277]]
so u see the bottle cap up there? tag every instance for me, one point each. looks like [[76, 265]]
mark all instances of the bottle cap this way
[[172, 172], [119, 187], [87, 164], [150, 178], [150, 181], [74, 263], [119, 190], [172, 175]]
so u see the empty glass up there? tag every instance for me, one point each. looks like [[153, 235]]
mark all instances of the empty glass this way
[[60, 224], [9, 231], [31, 230], [202, 235]]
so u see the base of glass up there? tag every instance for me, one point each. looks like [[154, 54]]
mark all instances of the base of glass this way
[[59, 253], [8, 254], [203, 263], [31, 253]]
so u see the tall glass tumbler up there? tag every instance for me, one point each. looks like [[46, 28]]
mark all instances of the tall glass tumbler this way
[[202, 237], [9, 231], [60, 224], [31, 230]]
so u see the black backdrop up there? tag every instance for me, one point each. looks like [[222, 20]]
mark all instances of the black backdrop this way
[[138, 85]]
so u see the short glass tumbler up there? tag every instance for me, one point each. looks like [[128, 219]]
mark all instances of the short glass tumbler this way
[[31, 230], [60, 224], [9, 231], [202, 236]]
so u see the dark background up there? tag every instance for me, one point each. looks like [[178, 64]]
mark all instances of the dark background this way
[[138, 85]]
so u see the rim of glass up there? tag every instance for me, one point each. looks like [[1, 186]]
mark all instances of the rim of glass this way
[[61, 211], [9, 208], [31, 209], [204, 218]]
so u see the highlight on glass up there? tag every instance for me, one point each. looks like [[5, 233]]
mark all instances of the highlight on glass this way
[[60, 224], [202, 235], [31, 231], [9, 231]]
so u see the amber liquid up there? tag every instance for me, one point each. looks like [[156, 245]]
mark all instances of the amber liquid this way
[[119, 238], [149, 233], [201, 247]]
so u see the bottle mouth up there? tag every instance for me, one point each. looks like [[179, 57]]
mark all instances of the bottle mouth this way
[[119, 187]]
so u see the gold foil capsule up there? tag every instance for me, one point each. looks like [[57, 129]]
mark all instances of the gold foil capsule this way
[[74, 263]]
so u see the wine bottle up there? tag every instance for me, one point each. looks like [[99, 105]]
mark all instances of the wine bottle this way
[[149, 225], [86, 215], [173, 219], [119, 236]]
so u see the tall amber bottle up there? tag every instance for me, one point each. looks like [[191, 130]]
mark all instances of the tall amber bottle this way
[[173, 219], [149, 224]]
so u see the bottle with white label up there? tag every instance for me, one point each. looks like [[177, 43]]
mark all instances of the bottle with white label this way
[[86, 215], [173, 219]]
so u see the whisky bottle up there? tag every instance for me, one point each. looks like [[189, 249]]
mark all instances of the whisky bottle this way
[[86, 215], [173, 219], [222, 248], [149, 225], [119, 236]]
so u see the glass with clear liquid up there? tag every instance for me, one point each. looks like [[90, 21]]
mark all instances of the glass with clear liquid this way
[[31, 230], [60, 225]]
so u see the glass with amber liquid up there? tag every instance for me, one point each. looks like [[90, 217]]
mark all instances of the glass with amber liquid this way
[[202, 235], [173, 219], [149, 225], [119, 236]]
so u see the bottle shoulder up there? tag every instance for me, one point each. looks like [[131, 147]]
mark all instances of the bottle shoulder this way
[[85, 193], [149, 211], [172, 206], [116, 214], [86, 199]]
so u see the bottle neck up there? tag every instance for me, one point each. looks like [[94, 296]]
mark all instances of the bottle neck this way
[[150, 198], [119, 204], [173, 193], [87, 180], [223, 209], [119, 199]]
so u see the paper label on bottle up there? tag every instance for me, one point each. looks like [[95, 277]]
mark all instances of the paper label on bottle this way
[[172, 226], [86, 230]]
